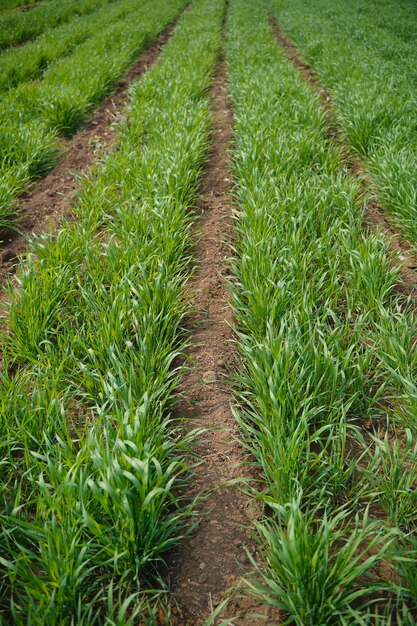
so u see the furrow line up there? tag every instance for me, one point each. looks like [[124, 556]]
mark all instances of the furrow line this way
[[214, 559], [25, 7]]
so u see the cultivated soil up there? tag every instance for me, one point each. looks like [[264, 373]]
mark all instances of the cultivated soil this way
[[49, 200], [205, 567], [27, 7]]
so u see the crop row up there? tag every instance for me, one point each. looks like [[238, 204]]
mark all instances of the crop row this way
[[366, 57], [18, 26], [327, 395], [33, 114], [91, 461], [31, 61], [92, 465]]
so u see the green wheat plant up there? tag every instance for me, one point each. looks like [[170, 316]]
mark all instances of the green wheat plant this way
[[319, 330], [31, 61], [19, 26], [95, 467], [317, 570], [35, 113], [355, 49]]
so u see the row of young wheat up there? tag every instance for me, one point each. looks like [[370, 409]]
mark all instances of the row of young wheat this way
[[92, 466]]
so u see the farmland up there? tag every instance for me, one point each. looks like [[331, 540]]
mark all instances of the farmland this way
[[209, 356], [355, 53]]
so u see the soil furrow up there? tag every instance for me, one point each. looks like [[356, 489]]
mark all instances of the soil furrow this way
[[213, 560], [50, 198], [375, 214], [27, 7]]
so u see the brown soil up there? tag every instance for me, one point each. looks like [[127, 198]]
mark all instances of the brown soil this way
[[214, 559], [403, 254], [49, 200], [26, 7]]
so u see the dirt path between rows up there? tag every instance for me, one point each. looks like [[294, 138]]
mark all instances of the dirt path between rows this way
[[50, 199], [214, 559], [27, 7], [376, 216]]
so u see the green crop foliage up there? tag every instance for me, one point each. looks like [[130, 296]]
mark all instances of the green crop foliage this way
[[7, 5], [316, 562], [92, 462], [365, 55], [328, 352], [18, 26], [29, 62], [34, 113]]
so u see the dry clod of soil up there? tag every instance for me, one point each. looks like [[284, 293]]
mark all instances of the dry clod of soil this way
[[209, 377]]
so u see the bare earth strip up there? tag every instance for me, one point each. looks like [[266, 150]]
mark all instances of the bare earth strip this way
[[51, 197], [375, 214], [26, 7], [204, 568]]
